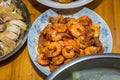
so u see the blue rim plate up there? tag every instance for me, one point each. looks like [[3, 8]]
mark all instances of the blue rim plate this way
[[42, 21]]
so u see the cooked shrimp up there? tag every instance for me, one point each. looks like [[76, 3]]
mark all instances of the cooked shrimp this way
[[42, 49], [100, 49], [90, 50], [80, 41], [76, 29], [67, 60], [70, 44], [55, 47], [84, 20], [58, 60], [57, 19], [68, 53], [41, 59], [59, 27], [81, 53], [53, 67], [55, 36], [96, 29], [47, 29], [67, 38]]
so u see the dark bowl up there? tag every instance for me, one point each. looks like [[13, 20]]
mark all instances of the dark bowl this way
[[108, 60], [26, 15]]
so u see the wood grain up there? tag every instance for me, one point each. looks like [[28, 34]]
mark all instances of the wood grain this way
[[20, 66]]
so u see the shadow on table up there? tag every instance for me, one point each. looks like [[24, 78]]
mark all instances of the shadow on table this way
[[38, 71], [40, 7], [94, 4], [13, 57]]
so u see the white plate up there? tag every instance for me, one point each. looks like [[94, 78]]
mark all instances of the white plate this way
[[42, 21], [73, 4]]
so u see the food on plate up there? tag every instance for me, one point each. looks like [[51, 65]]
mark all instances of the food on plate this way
[[64, 1], [12, 26], [66, 38]]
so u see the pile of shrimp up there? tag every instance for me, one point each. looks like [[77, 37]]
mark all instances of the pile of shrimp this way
[[66, 38]]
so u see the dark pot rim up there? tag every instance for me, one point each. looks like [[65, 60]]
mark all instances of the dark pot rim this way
[[80, 59]]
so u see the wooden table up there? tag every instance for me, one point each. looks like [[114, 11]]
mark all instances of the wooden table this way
[[20, 66]]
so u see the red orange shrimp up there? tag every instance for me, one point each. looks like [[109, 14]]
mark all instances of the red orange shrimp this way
[[84, 20], [55, 49], [41, 59], [68, 53], [59, 27], [96, 29], [76, 29], [53, 67], [90, 50], [58, 60]]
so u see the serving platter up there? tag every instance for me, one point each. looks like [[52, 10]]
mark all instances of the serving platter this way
[[43, 20]]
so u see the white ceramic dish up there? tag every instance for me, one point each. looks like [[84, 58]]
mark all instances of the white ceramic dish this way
[[42, 21], [74, 4]]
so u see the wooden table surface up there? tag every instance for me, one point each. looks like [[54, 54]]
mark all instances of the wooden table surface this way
[[20, 66]]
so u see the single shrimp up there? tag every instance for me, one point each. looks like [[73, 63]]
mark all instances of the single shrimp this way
[[84, 20], [55, 49], [90, 50], [54, 36], [100, 49], [80, 41], [67, 60], [96, 29], [58, 60], [59, 27], [68, 53], [70, 44], [42, 44], [82, 53], [41, 48], [58, 19], [76, 29], [53, 67], [41, 59]]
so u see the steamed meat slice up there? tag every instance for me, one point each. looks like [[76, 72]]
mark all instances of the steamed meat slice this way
[[12, 35], [13, 28], [8, 11], [2, 27], [19, 23], [10, 16], [11, 32], [5, 3], [7, 7], [7, 44]]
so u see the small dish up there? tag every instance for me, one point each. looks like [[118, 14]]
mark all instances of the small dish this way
[[42, 21], [74, 4]]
